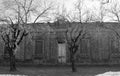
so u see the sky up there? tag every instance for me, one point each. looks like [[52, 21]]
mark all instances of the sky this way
[[69, 5], [88, 4], [93, 5]]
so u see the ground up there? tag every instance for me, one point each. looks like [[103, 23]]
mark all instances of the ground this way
[[59, 71]]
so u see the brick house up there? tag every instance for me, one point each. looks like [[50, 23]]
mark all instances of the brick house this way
[[47, 44]]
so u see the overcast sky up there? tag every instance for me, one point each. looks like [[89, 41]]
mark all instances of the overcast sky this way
[[69, 5]]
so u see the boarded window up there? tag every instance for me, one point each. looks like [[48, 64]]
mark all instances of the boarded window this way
[[39, 48], [84, 46]]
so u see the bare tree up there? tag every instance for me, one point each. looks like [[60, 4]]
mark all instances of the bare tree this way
[[79, 7], [82, 13], [89, 16], [17, 24], [73, 35], [114, 12], [101, 12], [102, 9], [12, 36]]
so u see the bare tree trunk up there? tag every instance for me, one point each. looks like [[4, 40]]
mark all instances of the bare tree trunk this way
[[73, 63], [12, 60]]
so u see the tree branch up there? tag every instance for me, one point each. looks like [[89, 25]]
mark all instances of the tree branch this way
[[41, 14]]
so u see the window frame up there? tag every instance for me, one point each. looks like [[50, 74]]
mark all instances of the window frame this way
[[39, 55]]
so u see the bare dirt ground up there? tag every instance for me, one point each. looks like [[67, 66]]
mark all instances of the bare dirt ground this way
[[59, 71]]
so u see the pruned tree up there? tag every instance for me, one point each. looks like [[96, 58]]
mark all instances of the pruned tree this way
[[12, 36], [73, 35], [17, 27]]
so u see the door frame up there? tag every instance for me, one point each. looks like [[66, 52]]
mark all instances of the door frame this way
[[62, 57]]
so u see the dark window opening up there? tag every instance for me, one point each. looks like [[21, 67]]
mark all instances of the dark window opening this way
[[39, 49]]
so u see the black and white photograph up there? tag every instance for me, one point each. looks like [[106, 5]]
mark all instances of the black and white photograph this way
[[59, 37]]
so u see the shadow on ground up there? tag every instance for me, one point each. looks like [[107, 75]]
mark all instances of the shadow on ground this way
[[60, 71]]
